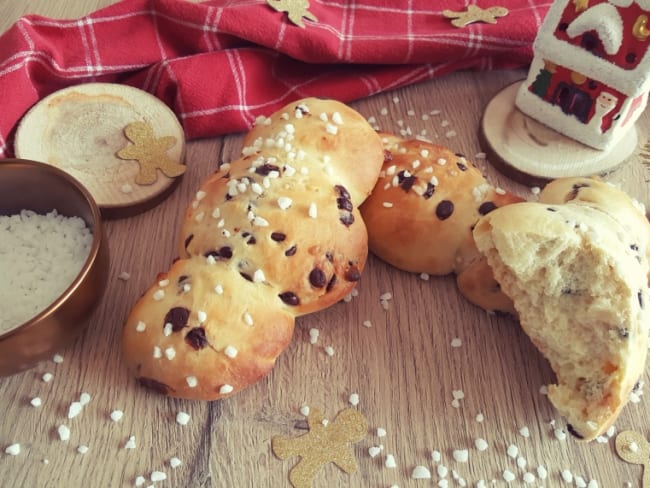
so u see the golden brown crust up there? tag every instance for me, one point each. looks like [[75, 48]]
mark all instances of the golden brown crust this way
[[422, 211], [271, 236]]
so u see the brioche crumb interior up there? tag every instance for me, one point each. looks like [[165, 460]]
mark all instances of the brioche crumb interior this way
[[568, 300]]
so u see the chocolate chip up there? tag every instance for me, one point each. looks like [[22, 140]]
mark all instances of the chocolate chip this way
[[251, 240], [352, 273], [329, 256], [291, 251], [266, 168], [343, 192], [344, 204], [224, 252], [317, 278], [575, 189], [405, 181], [573, 431], [188, 239], [196, 338], [154, 385], [346, 218], [290, 298], [444, 209], [551, 209], [278, 236], [486, 208], [178, 317], [640, 298], [623, 332], [246, 276], [388, 156], [428, 193], [461, 166]]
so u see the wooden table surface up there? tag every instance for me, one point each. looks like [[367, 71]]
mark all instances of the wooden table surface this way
[[404, 367]]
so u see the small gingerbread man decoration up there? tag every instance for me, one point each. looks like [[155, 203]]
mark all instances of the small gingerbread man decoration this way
[[150, 152], [295, 9], [475, 14], [324, 443], [635, 449]]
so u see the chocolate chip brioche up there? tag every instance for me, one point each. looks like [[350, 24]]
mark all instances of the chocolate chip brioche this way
[[272, 236], [575, 265], [421, 213]]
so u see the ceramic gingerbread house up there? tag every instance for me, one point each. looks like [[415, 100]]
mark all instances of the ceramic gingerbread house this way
[[590, 75]]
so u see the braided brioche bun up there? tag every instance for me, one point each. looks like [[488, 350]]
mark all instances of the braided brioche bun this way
[[422, 211], [271, 236], [576, 268]]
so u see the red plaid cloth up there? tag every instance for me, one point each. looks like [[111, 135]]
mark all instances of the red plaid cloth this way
[[218, 64]]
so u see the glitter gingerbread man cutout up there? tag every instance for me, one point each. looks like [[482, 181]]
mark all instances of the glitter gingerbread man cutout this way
[[295, 9], [324, 443], [150, 152]]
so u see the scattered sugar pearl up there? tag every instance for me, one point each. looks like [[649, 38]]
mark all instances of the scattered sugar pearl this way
[[535, 190], [529, 478], [175, 462], [567, 476], [47, 377], [374, 451], [36, 402], [124, 276], [521, 462], [442, 471], [508, 476], [182, 418], [58, 358], [542, 473], [560, 435], [140, 480], [191, 381], [633, 447], [313, 335], [170, 353], [354, 399], [329, 350], [456, 342], [13, 450], [367, 324], [421, 473], [225, 389], [159, 295], [390, 461], [130, 443], [580, 482], [74, 409], [461, 455], [304, 410], [543, 390], [313, 210], [480, 417], [436, 456], [116, 415], [231, 352], [140, 326], [82, 449], [158, 476], [126, 188], [512, 451], [64, 432], [381, 432], [481, 444], [84, 398], [524, 432]]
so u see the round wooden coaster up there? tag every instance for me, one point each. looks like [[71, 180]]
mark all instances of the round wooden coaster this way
[[81, 129], [531, 153]]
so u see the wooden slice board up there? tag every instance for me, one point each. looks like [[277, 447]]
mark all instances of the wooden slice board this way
[[80, 129], [531, 153]]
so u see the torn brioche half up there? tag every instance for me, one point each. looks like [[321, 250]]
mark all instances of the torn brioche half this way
[[577, 275]]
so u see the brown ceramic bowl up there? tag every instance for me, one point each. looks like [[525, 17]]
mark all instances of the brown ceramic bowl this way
[[41, 187]]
